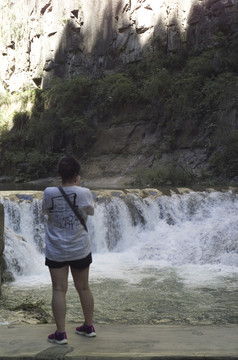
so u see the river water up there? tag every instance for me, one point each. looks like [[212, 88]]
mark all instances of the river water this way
[[168, 259]]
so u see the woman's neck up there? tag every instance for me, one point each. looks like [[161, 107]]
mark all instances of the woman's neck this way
[[72, 182], [65, 184]]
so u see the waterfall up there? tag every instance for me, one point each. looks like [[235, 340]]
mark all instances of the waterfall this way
[[131, 235], [24, 239]]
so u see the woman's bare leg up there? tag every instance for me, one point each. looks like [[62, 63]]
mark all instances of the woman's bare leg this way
[[59, 279], [80, 278]]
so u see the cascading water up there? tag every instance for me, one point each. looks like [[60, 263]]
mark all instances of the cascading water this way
[[169, 259], [130, 233], [23, 237]]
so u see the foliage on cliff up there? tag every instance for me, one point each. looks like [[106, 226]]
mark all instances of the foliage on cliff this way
[[192, 96]]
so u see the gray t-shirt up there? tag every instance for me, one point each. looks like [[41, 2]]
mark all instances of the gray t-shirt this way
[[66, 239]]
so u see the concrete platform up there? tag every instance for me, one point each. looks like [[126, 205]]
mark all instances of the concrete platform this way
[[121, 342]]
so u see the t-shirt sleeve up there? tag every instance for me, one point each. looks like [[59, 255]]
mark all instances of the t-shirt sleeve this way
[[44, 208], [88, 203]]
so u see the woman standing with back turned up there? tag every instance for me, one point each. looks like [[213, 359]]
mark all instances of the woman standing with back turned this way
[[68, 246]]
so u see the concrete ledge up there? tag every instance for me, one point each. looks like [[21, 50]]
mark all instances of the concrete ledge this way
[[118, 342]]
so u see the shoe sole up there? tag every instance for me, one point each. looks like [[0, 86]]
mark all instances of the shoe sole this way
[[92, 334], [59, 342]]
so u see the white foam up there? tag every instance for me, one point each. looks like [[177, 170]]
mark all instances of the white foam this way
[[195, 234]]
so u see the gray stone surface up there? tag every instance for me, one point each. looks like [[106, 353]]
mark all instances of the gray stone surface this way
[[122, 342], [44, 38]]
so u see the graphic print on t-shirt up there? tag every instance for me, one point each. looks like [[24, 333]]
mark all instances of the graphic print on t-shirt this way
[[61, 213]]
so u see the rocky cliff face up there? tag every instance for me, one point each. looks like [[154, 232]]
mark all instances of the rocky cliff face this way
[[40, 39], [1, 242], [43, 39]]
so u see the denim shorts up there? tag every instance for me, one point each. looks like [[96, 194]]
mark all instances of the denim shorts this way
[[75, 264]]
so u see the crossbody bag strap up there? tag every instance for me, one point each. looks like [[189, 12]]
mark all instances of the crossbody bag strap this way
[[73, 208]]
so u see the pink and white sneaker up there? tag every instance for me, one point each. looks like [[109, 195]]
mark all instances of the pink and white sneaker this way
[[58, 338], [85, 330]]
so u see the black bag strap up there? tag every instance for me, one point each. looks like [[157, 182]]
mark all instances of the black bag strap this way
[[73, 208]]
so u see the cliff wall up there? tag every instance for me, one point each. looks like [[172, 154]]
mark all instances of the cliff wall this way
[[40, 39], [1, 242], [43, 39]]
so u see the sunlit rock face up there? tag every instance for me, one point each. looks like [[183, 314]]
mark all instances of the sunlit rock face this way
[[40, 39]]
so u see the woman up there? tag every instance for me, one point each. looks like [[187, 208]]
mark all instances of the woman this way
[[68, 246]]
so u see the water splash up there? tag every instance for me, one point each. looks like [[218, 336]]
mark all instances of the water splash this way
[[131, 235], [24, 239]]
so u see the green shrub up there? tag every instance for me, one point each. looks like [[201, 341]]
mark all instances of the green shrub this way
[[202, 65], [172, 174], [225, 163], [41, 165], [10, 161], [158, 85], [69, 97], [61, 121], [20, 120]]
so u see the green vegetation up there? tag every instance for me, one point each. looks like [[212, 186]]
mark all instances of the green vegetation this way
[[172, 174], [4, 99], [192, 96], [60, 121]]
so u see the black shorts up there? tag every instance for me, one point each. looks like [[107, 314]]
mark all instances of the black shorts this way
[[76, 264]]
